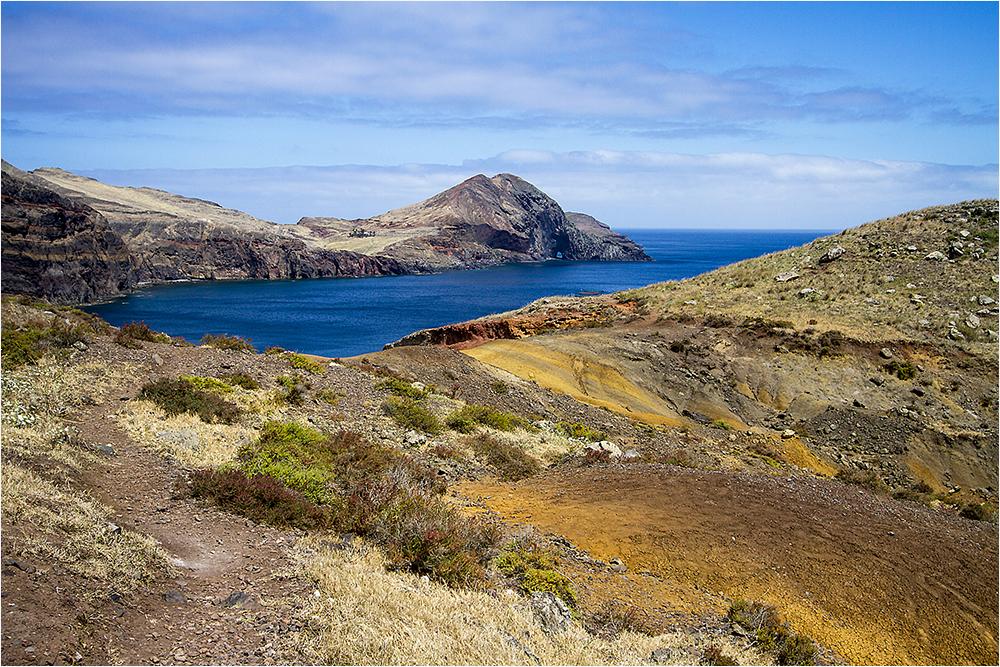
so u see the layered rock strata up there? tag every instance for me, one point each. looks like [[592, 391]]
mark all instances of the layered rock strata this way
[[58, 248]]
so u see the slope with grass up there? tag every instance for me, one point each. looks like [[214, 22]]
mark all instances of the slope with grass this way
[[420, 505]]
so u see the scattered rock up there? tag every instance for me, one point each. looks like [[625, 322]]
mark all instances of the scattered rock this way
[[660, 656], [833, 253], [175, 597], [184, 438], [785, 276], [23, 566], [550, 612], [885, 353], [414, 438], [157, 359], [788, 433], [936, 256], [972, 321], [616, 565]]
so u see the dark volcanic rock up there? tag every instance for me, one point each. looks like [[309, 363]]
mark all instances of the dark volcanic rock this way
[[488, 221], [57, 248]]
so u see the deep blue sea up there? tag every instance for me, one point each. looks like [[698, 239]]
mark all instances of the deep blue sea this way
[[343, 317]]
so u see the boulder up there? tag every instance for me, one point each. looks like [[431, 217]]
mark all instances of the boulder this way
[[785, 276], [836, 252], [551, 612]]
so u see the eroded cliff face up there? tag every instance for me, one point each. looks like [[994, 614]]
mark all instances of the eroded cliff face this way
[[57, 248]]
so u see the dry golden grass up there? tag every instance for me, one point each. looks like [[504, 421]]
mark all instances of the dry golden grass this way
[[73, 529], [217, 443], [882, 288], [363, 615]]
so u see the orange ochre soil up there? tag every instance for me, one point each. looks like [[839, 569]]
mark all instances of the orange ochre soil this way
[[878, 581]]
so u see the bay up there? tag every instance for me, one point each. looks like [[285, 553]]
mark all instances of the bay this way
[[343, 317]]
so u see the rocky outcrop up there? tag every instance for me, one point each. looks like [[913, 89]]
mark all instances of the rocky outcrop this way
[[57, 248], [488, 221], [478, 223]]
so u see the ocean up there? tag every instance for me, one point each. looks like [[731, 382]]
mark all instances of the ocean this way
[[344, 317]]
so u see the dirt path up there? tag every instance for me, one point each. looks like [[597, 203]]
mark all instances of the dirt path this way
[[232, 599], [876, 580]]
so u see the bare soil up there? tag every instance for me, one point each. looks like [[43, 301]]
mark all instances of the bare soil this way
[[876, 580]]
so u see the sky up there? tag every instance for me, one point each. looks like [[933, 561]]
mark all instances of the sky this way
[[815, 115]]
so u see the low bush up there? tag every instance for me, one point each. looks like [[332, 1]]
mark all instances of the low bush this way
[[863, 478], [274, 349], [466, 419], [532, 568], [979, 512], [681, 458], [328, 396], [714, 656], [400, 387], [179, 396], [293, 389], [131, 334], [302, 362], [207, 384], [412, 415], [904, 371], [379, 493], [511, 462], [575, 430], [259, 497], [240, 380], [614, 618], [28, 344], [595, 456], [227, 342], [772, 634], [499, 387]]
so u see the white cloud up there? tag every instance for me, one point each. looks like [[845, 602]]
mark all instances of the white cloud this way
[[624, 189]]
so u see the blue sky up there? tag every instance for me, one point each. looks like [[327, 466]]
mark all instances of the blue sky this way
[[730, 115]]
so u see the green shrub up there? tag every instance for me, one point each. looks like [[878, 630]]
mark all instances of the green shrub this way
[[302, 362], [274, 349], [904, 371], [533, 569], [723, 424], [27, 345], [227, 342], [549, 581], [240, 380], [575, 430], [400, 387], [379, 493], [511, 462], [465, 420], [130, 335], [412, 415], [772, 634], [178, 396], [499, 387], [295, 389], [328, 396], [207, 384]]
